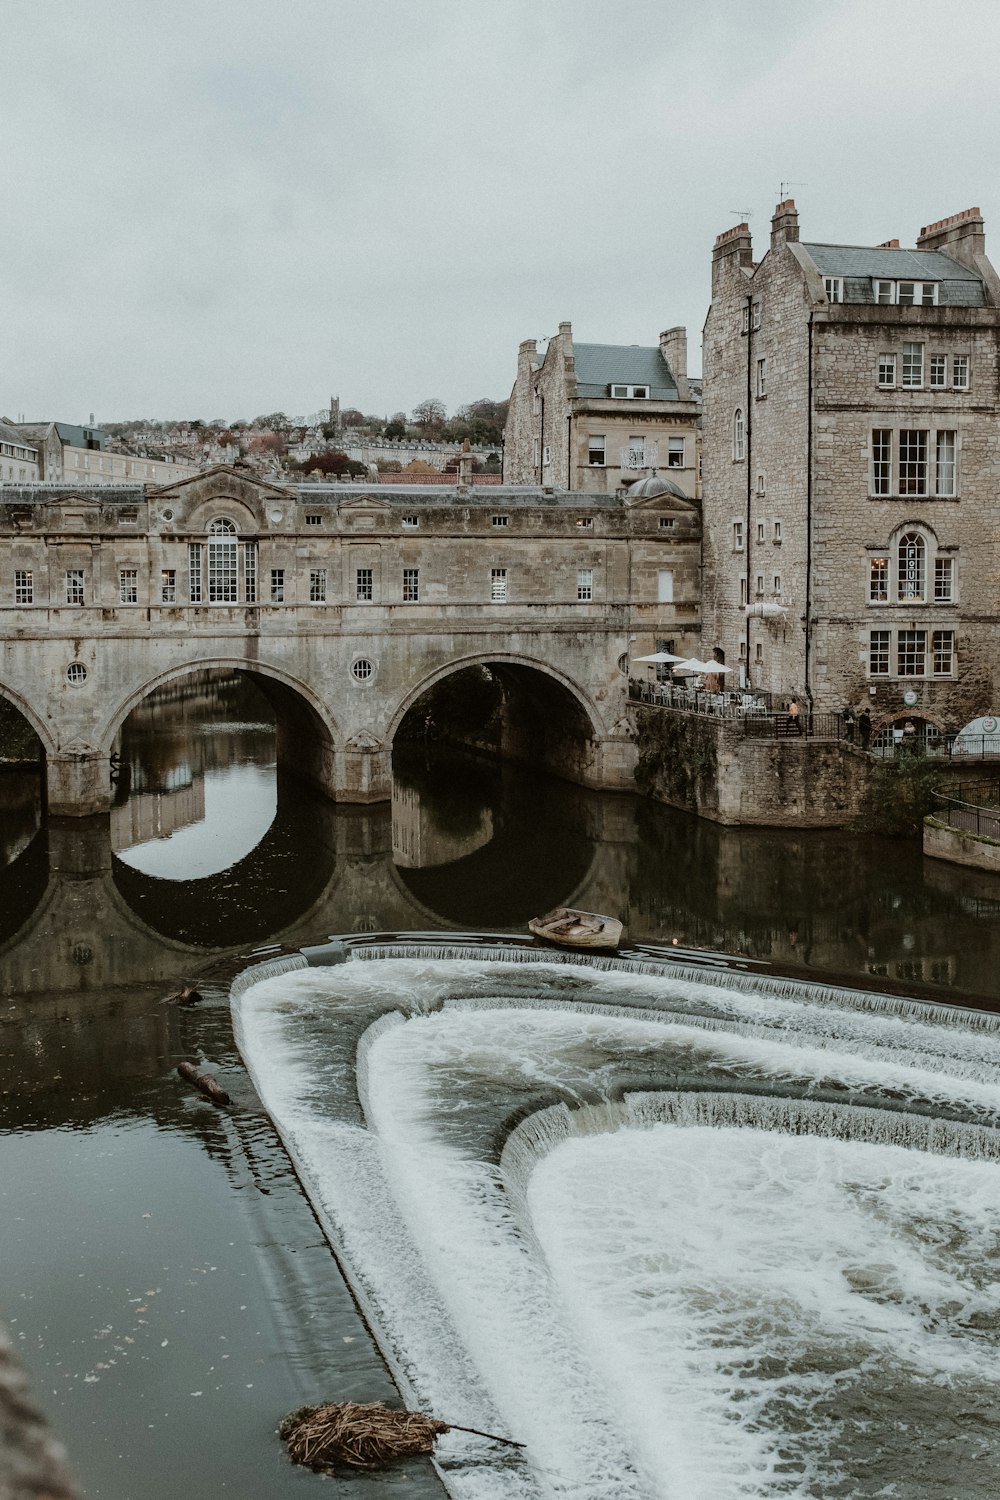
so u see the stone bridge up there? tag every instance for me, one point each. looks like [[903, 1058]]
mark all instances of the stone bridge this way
[[346, 605]]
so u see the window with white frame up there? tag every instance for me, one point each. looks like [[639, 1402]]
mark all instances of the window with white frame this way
[[597, 450], [739, 436], [128, 586], [500, 521], [737, 536], [546, 455], [878, 653], [195, 561], [168, 585], [364, 585], [834, 287], [755, 315], [74, 586], [223, 562], [24, 586], [675, 453], [666, 523], [913, 365], [277, 585], [912, 461], [937, 371], [776, 538], [411, 585], [665, 586], [960, 372], [584, 584], [498, 585], [630, 392], [943, 653], [317, 585], [878, 580], [887, 370], [944, 580], [249, 551], [882, 461], [905, 293], [911, 571], [760, 531], [944, 463], [410, 523], [745, 320], [585, 523], [761, 378], [911, 653]]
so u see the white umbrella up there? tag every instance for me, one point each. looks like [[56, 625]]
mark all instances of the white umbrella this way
[[659, 657], [692, 664]]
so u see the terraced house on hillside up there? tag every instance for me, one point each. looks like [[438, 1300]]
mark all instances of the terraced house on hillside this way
[[852, 470], [589, 417]]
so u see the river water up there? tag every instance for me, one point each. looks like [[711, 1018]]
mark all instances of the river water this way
[[164, 1273]]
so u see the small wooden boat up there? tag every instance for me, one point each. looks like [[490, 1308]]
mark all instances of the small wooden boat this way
[[577, 929]]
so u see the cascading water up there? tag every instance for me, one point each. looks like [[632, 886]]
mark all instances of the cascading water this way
[[689, 1235]]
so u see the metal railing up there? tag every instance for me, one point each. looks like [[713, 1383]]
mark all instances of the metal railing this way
[[763, 715], [977, 818]]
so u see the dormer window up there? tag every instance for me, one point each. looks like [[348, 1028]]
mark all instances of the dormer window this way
[[834, 286], [410, 523], [629, 392], [905, 293]]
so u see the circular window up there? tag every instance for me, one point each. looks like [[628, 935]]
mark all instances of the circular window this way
[[76, 673], [83, 953], [168, 515], [623, 664], [362, 670]]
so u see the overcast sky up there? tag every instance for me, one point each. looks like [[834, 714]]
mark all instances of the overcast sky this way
[[229, 207]]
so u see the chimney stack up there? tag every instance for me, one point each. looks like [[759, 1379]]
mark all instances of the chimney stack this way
[[465, 466], [674, 349], [962, 236], [784, 224], [733, 249]]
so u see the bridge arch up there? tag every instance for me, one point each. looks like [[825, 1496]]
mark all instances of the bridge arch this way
[[495, 659], [26, 711]]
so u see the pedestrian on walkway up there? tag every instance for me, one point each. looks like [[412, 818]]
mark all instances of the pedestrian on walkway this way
[[794, 722]]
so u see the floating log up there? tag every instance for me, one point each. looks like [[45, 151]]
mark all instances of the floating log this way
[[187, 996], [363, 1435], [203, 1081]]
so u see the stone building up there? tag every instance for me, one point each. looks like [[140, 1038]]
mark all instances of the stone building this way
[[18, 458], [587, 417], [70, 454], [852, 467]]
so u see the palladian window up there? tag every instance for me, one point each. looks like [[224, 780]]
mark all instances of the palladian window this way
[[912, 574]]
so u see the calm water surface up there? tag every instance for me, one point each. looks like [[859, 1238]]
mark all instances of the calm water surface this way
[[167, 1284]]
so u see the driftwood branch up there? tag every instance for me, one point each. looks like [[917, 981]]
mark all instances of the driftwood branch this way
[[203, 1081]]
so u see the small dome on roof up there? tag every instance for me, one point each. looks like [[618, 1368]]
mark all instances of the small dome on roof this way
[[653, 488]]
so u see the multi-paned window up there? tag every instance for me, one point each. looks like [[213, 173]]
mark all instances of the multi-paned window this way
[[914, 473], [194, 572], [745, 320], [584, 584], [410, 523], [585, 523], [913, 365], [168, 585], [128, 586], [944, 580], [911, 653], [250, 572], [597, 449], [737, 536], [411, 585], [313, 519], [364, 585], [675, 453], [905, 293], [223, 562], [317, 585], [501, 522], [739, 436], [756, 315], [887, 370], [761, 378], [878, 580], [24, 586], [911, 575], [960, 372], [498, 585], [834, 286], [74, 586], [937, 371], [878, 653], [277, 585], [943, 653]]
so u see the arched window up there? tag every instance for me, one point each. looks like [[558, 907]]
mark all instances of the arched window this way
[[911, 577], [223, 561], [739, 436]]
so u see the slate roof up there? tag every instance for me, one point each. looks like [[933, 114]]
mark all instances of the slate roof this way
[[9, 434], [859, 264], [601, 365]]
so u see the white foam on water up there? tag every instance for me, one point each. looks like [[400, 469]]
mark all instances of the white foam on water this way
[[694, 1351]]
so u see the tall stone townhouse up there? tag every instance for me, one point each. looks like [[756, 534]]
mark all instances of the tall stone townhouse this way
[[18, 458], [586, 417], [852, 470]]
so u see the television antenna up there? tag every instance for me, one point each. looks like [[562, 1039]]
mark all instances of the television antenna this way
[[742, 213], [783, 191]]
